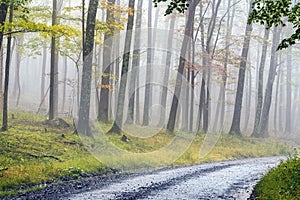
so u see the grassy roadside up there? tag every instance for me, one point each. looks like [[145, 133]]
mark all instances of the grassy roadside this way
[[32, 153], [282, 182]]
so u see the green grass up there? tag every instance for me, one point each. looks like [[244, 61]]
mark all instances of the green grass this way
[[32, 153], [282, 182]]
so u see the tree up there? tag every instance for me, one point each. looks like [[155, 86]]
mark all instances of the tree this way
[[117, 125], [6, 78], [135, 63], [163, 99], [53, 100], [264, 122], [106, 76], [3, 14], [278, 12], [148, 87], [85, 95], [182, 61], [288, 119], [260, 84], [235, 126], [264, 11]]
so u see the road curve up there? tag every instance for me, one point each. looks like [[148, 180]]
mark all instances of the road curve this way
[[221, 180]]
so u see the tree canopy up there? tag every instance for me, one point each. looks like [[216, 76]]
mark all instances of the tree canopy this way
[[268, 12], [279, 12]]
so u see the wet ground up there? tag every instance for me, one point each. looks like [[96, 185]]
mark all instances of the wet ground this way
[[221, 180]]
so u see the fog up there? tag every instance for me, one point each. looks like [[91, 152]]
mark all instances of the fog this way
[[32, 50]]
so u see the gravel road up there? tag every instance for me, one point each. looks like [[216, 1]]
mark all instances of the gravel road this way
[[221, 180]]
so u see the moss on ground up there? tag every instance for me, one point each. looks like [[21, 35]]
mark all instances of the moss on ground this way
[[33, 153]]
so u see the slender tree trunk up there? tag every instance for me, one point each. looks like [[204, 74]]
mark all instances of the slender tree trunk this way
[[85, 96], [248, 101], [288, 120], [17, 85], [192, 87], [3, 14], [53, 68], [255, 132], [164, 93], [135, 63], [6, 79], [201, 101], [263, 126], [235, 126], [276, 107], [103, 108], [188, 28], [281, 100], [43, 78], [117, 125], [148, 87], [64, 84]]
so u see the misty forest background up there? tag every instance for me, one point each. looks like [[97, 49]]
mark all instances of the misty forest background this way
[[64, 61]]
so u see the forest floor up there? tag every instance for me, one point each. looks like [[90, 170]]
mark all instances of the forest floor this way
[[34, 154]]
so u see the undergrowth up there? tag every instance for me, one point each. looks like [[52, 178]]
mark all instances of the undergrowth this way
[[33, 154], [282, 182]]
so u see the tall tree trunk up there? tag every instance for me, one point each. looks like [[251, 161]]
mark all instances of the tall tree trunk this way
[[135, 63], [288, 120], [17, 85], [276, 106], [281, 100], [255, 132], [188, 28], [64, 84], [43, 77], [201, 102], [103, 108], [53, 68], [3, 14], [85, 96], [263, 126], [164, 93], [192, 87], [248, 101], [6, 79], [235, 126], [117, 125], [149, 70]]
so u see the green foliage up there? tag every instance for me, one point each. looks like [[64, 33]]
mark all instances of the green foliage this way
[[278, 12], [282, 182], [32, 153], [179, 5]]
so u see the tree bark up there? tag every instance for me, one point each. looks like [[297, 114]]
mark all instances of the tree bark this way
[[148, 87], [85, 95], [117, 125], [288, 113], [235, 126], [135, 63], [3, 14], [6, 79], [188, 28], [53, 99], [255, 132], [103, 108], [17, 85], [164, 93], [263, 126]]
